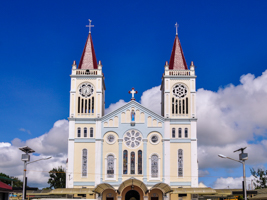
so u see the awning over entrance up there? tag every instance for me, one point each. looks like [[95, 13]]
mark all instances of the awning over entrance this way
[[101, 187], [134, 182], [194, 191], [165, 188]]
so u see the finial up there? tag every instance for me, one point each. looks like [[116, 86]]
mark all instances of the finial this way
[[176, 26], [99, 64], [74, 65], [89, 25], [192, 66], [166, 65]]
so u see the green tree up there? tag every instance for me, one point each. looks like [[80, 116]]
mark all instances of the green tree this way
[[12, 181], [57, 178], [260, 178]]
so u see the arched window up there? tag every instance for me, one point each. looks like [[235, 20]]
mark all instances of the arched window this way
[[180, 132], [139, 162], [84, 162], [154, 166], [186, 132], [85, 132], [173, 132], [91, 132], [125, 162], [78, 132], [110, 167], [132, 163], [180, 163]]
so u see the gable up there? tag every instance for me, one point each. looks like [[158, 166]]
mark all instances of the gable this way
[[132, 115]]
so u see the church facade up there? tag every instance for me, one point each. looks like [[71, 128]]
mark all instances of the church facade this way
[[132, 153]]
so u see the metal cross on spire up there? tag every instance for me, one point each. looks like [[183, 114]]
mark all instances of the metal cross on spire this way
[[89, 25], [132, 92], [176, 26]]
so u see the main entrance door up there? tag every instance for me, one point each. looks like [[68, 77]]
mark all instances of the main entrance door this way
[[132, 195]]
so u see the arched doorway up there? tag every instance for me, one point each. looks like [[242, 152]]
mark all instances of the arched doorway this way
[[132, 195]]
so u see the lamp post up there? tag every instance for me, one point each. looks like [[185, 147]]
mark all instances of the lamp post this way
[[242, 158], [26, 158]]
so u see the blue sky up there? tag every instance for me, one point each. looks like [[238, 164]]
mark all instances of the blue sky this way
[[40, 39]]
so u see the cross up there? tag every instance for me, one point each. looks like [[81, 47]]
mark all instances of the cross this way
[[89, 25], [132, 92], [176, 25]]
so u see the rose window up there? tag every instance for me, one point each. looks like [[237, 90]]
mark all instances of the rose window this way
[[154, 139], [110, 138], [179, 90], [86, 90], [132, 139]]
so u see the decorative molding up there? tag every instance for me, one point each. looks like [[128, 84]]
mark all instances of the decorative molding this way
[[83, 183], [180, 183], [84, 140]]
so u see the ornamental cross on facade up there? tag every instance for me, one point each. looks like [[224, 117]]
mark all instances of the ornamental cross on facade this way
[[89, 25], [176, 26], [132, 92]]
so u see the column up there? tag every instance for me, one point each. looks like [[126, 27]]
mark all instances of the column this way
[[145, 162], [120, 160]]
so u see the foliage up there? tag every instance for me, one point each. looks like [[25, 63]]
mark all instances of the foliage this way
[[57, 178], [240, 197], [5, 179], [260, 176]]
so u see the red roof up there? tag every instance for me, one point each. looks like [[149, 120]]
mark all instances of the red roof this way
[[5, 186], [177, 61], [88, 59]]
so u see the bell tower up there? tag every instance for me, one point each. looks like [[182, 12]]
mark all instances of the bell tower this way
[[87, 106], [178, 107], [178, 86]]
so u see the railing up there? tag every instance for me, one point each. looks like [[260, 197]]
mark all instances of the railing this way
[[179, 73], [87, 72]]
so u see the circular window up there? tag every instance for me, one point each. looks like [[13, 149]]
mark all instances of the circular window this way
[[179, 90], [86, 90], [154, 139], [132, 138], [110, 139]]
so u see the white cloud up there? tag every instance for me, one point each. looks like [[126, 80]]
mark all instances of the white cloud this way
[[53, 143], [115, 106], [203, 173], [151, 99], [24, 130], [233, 183]]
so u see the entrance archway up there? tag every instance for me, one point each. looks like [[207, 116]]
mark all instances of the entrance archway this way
[[132, 195]]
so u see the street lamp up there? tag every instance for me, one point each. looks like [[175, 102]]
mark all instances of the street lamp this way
[[26, 158], [242, 158]]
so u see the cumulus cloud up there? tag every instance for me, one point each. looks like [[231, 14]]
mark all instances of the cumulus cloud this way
[[115, 106], [233, 183], [151, 99], [53, 143]]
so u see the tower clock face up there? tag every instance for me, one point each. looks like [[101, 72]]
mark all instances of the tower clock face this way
[[179, 90], [86, 90]]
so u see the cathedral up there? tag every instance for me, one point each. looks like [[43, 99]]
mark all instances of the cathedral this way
[[133, 153]]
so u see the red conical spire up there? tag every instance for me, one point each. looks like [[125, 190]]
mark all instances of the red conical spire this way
[[177, 61], [88, 59]]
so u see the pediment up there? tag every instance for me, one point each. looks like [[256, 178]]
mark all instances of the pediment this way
[[124, 115]]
